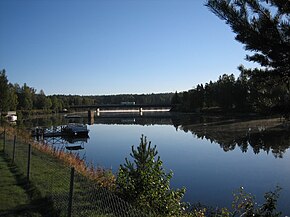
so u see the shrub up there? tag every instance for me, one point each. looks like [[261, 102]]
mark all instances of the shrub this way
[[244, 204]]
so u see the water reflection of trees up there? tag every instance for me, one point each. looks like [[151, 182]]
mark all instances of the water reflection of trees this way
[[274, 139], [257, 135]]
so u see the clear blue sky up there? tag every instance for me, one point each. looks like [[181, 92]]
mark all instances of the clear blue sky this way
[[94, 47]]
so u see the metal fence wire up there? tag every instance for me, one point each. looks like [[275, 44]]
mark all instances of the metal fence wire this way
[[52, 177], [70, 195], [92, 200]]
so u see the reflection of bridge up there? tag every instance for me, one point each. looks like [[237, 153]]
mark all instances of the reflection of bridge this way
[[123, 108]]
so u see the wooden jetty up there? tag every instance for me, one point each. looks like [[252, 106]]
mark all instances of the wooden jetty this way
[[47, 132], [73, 130]]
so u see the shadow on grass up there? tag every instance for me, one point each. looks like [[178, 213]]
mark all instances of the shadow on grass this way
[[38, 206]]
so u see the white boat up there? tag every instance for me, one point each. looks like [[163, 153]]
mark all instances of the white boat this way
[[75, 130]]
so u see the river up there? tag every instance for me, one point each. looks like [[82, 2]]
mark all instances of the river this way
[[211, 158]]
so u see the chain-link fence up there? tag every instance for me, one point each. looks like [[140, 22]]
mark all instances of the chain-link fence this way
[[97, 201], [66, 191]]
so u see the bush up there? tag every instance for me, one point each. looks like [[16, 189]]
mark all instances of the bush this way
[[244, 204]]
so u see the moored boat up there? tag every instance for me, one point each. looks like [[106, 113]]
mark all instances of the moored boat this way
[[75, 130]]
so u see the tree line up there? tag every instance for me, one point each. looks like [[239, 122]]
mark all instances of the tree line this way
[[263, 27], [241, 94], [15, 97]]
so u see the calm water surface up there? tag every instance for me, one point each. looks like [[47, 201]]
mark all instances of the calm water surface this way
[[209, 173]]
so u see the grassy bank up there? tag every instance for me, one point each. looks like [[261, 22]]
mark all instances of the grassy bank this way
[[12, 193], [15, 199], [50, 178]]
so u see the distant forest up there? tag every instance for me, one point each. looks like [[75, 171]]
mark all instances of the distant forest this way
[[227, 94], [15, 97]]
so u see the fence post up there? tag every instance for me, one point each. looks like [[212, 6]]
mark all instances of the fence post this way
[[28, 162], [71, 189], [14, 144], [4, 140]]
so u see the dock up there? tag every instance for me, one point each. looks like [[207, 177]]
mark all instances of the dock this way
[[47, 132], [71, 130]]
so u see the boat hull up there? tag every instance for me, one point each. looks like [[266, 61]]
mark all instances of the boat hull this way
[[75, 130]]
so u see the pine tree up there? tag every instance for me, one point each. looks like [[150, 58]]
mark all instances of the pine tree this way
[[4, 92], [263, 26], [145, 183]]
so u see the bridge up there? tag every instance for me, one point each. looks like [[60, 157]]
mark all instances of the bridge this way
[[132, 107], [122, 106]]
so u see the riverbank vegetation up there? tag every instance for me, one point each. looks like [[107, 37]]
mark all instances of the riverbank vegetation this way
[[103, 177], [50, 170]]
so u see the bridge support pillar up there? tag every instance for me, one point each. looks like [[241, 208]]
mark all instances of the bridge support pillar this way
[[91, 115]]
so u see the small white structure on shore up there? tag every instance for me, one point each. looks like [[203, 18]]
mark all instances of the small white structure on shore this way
[[11, 116]]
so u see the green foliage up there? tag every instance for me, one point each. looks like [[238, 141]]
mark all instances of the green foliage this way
[[226, 93], [41, 101], [244, 94], [175, 99], [244, 204], [4, 93], [8, 96], [145, 183], [9, 186], [13, 98], [57, 104], [263, 26], [26, 96], [200, 210]]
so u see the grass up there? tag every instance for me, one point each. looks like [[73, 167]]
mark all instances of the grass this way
[[14, 199], [21, 198], [48, 190], [9, 184]]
